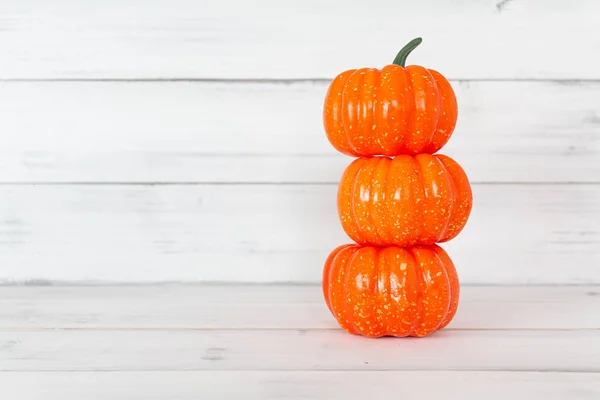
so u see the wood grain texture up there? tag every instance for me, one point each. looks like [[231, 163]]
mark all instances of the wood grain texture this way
[[313, 385], [293, 350], [190, 93], [154, 342], [285, 307], [269, 39], [214, 132], [274, 233]]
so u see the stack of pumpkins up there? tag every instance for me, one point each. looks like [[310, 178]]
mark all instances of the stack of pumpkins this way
[[396, 200]]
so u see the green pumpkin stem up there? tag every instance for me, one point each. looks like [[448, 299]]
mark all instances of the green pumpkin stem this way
[[405, 51]]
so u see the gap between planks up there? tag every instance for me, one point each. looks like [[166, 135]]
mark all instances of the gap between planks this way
[[283, 81], [275, 183]]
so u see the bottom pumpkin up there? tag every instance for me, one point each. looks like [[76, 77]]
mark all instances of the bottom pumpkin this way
[[391, 291]]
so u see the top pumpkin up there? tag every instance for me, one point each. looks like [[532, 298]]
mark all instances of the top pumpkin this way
[[392, 111]]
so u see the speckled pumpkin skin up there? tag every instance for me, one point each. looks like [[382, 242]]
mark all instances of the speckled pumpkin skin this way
[[391, 291], [404, 201], [395, 110]]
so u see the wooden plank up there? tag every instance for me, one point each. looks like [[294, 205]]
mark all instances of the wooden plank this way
[[314, 385], [269, 39], [132, 132], [274, 233], [275, 307], [293, 350]]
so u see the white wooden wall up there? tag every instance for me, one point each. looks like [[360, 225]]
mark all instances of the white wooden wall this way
[[181, 140]]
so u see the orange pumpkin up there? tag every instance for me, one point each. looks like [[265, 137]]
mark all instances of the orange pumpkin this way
[[395, 110], [391, 291], [405, 200]]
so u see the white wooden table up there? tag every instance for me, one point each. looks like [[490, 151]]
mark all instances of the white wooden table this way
[[144, 142], [280, 342]]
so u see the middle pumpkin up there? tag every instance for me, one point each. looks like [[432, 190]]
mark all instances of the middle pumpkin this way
[[404, 201]]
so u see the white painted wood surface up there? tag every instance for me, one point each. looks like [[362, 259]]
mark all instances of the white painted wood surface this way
[[280, 307], [272, 341], [133, 98], [138, 39], [297, 350], [275, 233], [219, 132], [153, 141], [308, 385]]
